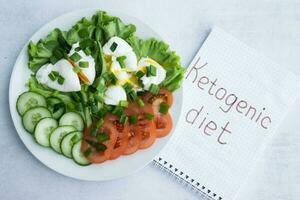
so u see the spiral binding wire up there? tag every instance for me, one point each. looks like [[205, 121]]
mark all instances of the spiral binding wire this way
[[186, 180]]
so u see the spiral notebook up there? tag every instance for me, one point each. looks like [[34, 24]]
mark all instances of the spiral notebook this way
[[233, 101]]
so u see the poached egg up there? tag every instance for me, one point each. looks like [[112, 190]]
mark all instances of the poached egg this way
[[114, 94], [117, 47], [89, 71], [64, 69], [157, 79]]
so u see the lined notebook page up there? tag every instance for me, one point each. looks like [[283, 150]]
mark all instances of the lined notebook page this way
[[233, 101]]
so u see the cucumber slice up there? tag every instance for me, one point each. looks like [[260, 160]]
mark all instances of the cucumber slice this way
[[29, 100], [32, 116], [78, 157], [43, 130], [73, 119], [56, 107], [57, 135], [68, 141]]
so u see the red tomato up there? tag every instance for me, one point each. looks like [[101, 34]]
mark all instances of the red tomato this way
[[134, 140], [142, 134], [98, 156], [134, 135], [122, 135], [163, 124], [163, 95], [148, 132]]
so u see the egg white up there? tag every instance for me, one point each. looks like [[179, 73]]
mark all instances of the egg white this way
[[89, 71], [65, 69], [160, 72], [122, 49], [114, 94]]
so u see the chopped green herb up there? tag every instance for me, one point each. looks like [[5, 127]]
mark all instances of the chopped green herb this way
[[77, 49], [52, 76], [60, 80], [118, 111], [140, 102], [101, 87], [113, 79], [149, 116], [127, 87], [113, 46], [84, 64], [102, 137], [76, 69], [93, 132], [133, 119], [151, 71], [139, 74], [102, 112], [154, 89], [96, 145], [121, 60], [123, 103], [140, 82], [53, 60], [75, 96], [141, 93], [163, 108], [99, 123], [99, 97], [109, 108], [88, 152], [110, 78], [55, 93], [87, 51], [123, 119], [132, 95], [75, 57]]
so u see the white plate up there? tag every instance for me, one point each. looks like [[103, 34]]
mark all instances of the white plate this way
[[109, 170]]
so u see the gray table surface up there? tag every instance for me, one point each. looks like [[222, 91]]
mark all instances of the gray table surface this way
[[272, 27]]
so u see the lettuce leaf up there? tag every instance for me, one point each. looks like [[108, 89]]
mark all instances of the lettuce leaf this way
[[41, 52], [99, 28], [35, 86], [159, 51]]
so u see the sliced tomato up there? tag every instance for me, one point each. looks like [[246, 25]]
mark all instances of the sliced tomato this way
[[163, 124], [134, 140], [142, 134], [148, 132], [134, 135], [99, 156], [122, 135], [163, 95]]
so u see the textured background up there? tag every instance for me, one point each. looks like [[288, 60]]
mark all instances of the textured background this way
[[271, 27]]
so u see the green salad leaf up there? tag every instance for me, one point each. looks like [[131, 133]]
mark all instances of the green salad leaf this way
[[35, 86], [99, 29], [159, 51]]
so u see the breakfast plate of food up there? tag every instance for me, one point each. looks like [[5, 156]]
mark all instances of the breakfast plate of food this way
[[96, 95]]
